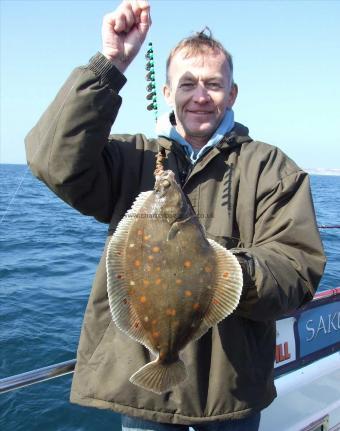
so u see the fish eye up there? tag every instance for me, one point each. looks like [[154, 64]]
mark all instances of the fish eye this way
[[166, 183]]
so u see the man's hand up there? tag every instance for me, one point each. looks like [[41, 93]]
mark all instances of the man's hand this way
[[124, 31]]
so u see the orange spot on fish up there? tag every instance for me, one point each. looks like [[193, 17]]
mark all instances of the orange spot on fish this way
[[158, 281], [147, 237], [215, 302], [154, 322], [156, 334], [146, 282], [158, 268], [156, 249], [161, 355], [196, 306], [178, 281], [187, 264], [225, 274], [170, 312], [143, 299], [208, 268], [139, 232], [150, 257], [188, 293], [137, 263]]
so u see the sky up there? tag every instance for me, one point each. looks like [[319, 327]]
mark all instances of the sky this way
[[286, 60]]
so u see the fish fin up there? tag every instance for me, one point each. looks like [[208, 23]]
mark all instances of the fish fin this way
[[158, 377], [201, 330], [174, 229], [228, 286], [227, 290], [177, 226], [123, 314]]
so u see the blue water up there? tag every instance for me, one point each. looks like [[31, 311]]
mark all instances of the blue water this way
[[48, 258]]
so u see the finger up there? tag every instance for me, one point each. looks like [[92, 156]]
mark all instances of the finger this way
[[120, 24], [114, 21], [138, 6], [143, 4], [129, 19], [145, 17], [136, 11]]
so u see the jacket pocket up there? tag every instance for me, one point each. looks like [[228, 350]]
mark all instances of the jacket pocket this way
[[97, 353]]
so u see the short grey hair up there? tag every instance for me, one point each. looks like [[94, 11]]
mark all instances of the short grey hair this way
[[199, 44]]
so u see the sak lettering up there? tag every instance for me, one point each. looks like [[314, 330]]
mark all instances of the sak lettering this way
[[325, 325]]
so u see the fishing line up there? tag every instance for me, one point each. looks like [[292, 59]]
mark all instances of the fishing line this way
[[14, 195], [329, 227], [36, 151]]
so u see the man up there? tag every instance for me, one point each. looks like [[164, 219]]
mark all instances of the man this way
[[254, 199]]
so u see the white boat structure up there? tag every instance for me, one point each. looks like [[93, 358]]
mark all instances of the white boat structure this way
[[307, 369]]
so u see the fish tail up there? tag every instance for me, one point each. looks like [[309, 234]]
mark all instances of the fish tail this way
[[159, 377]]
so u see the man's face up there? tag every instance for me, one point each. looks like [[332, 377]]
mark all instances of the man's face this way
[[199, 91]]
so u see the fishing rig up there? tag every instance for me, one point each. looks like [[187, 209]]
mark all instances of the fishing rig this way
[[151, 79], [151, 96]]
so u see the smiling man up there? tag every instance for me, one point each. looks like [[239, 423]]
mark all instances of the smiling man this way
[[251, 199], [199, 87]]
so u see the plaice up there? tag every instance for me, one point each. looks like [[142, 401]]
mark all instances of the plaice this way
[[167, 283]]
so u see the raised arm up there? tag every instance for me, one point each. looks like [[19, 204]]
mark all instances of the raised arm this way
[[68, 149]]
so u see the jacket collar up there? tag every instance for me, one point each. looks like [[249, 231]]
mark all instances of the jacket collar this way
[[237, 136]]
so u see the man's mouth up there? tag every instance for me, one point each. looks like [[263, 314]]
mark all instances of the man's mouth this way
[[200, 112]]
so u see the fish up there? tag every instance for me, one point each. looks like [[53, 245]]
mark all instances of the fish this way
[[167, 283]]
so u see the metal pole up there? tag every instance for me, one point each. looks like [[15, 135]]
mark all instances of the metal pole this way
[[36, 376]]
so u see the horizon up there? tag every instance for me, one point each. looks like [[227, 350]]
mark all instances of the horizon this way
[[311, 171], [288, 75]]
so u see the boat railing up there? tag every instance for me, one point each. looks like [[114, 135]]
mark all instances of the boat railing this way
[[36, 376], [57, 370]]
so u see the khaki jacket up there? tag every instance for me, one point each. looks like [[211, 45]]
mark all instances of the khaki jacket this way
[[249, 196]]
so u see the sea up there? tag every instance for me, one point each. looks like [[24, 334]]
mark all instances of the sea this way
[[48, 258]]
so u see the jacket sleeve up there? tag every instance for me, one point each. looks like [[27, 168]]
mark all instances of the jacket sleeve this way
[[285, 260], [68, 149]]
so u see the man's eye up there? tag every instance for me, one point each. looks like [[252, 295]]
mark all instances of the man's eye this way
[[214, 85], [187, 85]]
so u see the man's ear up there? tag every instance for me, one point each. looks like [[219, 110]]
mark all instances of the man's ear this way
[[232, 95], [167, 95]]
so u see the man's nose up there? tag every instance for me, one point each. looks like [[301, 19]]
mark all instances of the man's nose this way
[[201, 94]]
